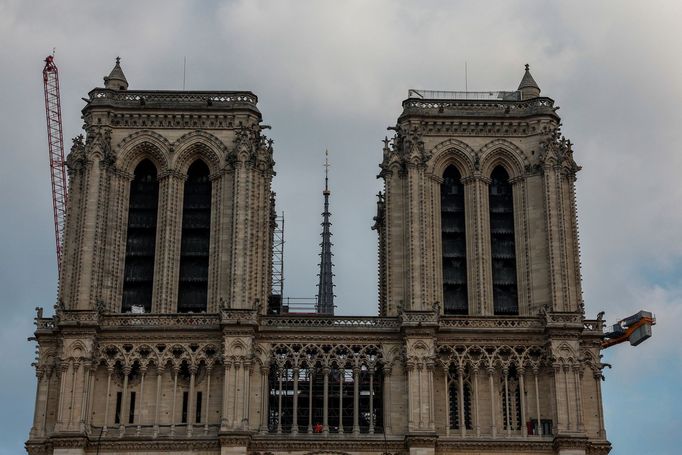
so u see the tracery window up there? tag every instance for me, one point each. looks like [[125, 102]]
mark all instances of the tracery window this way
[[196, 231], [138, 275], [454, 397], [505, 300], [353, 392], [453, 235], [510, 399]]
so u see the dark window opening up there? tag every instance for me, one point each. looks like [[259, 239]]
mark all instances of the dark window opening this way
[[511, 401], [453, 235], [340, 392], [194, 246], [453, 393], [198, 409], [138, 275], [505, 300], [131, 412], [185, 399], [117, 414]]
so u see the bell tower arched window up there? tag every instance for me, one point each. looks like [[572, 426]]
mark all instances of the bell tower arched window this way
[[453, 235], [505, 300], [196, 230], [138, 275]]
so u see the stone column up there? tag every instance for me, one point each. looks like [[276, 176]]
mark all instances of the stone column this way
[[477, 417], [577, 376], [190, 400], [36, 428], [371, 400], [175, 393], [246, 395], [294, 420], [209, 369], [537, 399], [597, 380], [342, 375], [140, 407], [429, 378], [105, 428], [279, 401], [522, 394], [479, 272], [387, 400], [493, 427], [569, 423], [157, 402], [446, 385], [264, 374], [124, 399], [507, 404], [310, 399], [225, 421], [460, 400], [64, 368], [356, 400], [325, 406]]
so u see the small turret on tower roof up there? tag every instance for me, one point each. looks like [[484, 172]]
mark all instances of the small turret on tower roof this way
[[116, 80], [528, 87]]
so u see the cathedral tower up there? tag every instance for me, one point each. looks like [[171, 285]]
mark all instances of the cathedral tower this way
[[161, 341]]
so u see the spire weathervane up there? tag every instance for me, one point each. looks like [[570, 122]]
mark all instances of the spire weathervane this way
[[325, 288]]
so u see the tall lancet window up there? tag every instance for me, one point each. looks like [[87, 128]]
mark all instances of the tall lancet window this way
[[453, 234], [196, 227], [503, 251], [138, 275]]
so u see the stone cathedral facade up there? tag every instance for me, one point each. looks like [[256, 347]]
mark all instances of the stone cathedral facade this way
[[162, 341]]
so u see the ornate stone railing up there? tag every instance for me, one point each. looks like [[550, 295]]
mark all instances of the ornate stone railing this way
[[493, 322], [593, 325], [174, 98], [338, 322], [481, 106], [44, 323], [154, 321]]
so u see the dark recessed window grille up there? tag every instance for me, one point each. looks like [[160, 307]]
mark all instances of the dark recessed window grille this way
[[117, 412], [454, 397], [505, 300], [196, 231], [453, 235], [198, 408], [510, 399], [138, 275], [131, 410], [185, 400]]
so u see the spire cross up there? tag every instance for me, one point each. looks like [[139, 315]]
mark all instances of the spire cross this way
[[326, 171], [118, 60]]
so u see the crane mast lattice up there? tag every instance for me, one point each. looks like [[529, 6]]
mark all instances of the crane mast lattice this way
[[55, 141]]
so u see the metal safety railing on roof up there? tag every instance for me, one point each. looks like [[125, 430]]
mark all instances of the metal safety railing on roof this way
[[447, 95]]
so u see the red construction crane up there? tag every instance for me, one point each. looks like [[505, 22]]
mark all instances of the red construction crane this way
[[55, 142]]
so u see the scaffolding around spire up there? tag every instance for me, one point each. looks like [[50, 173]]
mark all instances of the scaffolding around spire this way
[[325, 288]]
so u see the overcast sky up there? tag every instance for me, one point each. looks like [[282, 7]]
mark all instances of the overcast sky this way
[[332, 75]]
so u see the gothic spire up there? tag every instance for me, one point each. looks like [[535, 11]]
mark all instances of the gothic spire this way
[[325, 288], [116, 80], [528, 87]]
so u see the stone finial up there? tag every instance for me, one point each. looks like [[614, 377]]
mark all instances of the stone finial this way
[[116, 80], [528, 87]]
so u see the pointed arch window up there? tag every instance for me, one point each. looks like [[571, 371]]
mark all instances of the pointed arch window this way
[[196, 230], [453, 235], [138, 275], [503, 250]]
